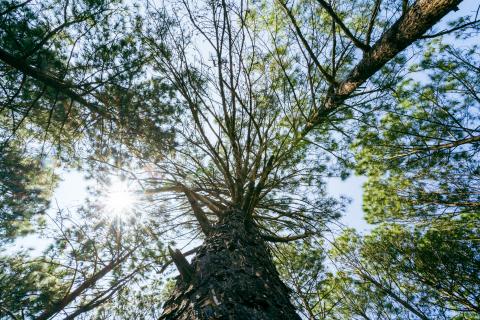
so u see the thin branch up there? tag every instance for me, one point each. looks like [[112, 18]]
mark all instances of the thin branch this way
[[359, 44], [51, 81], [272, 238], [305, 43]]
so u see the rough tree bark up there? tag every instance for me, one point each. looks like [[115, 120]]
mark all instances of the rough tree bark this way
[[410, 27], [231, 277]]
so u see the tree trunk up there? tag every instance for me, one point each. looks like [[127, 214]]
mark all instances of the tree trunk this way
[[231, 277]]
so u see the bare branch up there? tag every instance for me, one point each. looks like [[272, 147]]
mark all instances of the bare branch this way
[[359, 44], [305, 43]]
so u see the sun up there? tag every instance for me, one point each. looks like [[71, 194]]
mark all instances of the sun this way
[[119, 198]]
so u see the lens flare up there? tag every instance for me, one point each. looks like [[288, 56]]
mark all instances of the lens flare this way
[[119, 199]]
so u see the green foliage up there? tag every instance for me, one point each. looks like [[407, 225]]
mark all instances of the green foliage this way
[[25, 188], [421, 152], [110, 260], [418, 147], [91, 48], [214, 101], [393, 272], [28, 285]]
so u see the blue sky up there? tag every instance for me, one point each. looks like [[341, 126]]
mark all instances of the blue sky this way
[[72, 190]]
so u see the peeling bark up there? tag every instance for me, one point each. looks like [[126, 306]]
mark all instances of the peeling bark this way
[[234, 278]]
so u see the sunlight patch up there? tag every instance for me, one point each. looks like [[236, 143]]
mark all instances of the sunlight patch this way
[[119, 198]]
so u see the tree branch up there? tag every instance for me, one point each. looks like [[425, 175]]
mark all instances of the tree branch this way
[[411, 26], [50, 81], [444, 32], [9, 313], [304, 41], [198, 212], [272, 238], [359, 44], [185, 269], [58, 306], [438, 147]]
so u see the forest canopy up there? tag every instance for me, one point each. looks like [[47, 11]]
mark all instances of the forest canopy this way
[[208, 135]]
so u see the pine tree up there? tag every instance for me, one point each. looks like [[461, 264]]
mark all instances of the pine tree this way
[[228, 114]]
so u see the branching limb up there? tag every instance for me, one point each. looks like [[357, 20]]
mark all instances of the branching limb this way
[[198, 212], [272, 238], [359, 44], [304, 41], [411, 26], [9, 313], [51, 81], [185, 269], [444, 32]]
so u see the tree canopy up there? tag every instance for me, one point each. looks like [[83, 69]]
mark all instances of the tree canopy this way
[[222, 123]]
